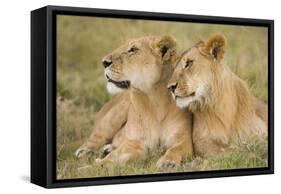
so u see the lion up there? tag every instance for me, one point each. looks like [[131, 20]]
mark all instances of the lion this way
[[140, 70], [109, 122], [224, 110]]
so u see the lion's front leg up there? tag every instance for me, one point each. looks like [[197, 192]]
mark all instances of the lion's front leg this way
[[175, 154], [212, 144], [208, 147], [128, 151], [116, 141], [110, 119], [177, 137]]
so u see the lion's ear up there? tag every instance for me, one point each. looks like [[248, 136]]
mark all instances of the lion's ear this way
[[166, 47], [199, 44], [215, 46]]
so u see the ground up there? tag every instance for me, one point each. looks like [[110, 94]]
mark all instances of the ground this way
[[249, 155], [81, 44]]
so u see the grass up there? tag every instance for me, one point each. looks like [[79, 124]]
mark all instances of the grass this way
[[248, 155], [81, 44]]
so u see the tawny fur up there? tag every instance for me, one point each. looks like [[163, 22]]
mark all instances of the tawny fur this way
[[153, 118], [108, 124], [224, 109]]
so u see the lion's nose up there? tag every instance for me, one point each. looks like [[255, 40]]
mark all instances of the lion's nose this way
[[106, 62], [172, 87]]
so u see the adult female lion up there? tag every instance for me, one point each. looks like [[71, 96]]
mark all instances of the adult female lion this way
[[223, 107], [152, 117]]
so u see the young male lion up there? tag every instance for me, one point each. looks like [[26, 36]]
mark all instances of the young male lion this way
[[151, 116], [223, 107]]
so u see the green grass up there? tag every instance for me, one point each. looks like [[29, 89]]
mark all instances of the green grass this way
[[82, 43], [248, 155]]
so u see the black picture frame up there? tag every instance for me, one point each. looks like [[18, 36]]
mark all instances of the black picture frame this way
[[43, 95]]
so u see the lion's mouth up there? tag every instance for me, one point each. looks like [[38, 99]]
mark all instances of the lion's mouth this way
[[120, 84], [192, 94]]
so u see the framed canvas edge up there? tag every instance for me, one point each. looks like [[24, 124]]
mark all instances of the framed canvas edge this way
[[52, 182], [38, 142]]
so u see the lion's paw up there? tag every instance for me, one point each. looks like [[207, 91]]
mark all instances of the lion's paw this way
[[103, 163], [83, 151], [163, 164], [107, 149]]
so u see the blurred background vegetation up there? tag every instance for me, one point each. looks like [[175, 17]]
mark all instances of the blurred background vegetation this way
[[83, 41]]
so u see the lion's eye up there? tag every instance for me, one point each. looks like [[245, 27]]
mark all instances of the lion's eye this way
[[132, 49], [188, 63]]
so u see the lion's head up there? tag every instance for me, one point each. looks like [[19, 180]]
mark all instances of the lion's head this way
[[138, 63], [194, 79]]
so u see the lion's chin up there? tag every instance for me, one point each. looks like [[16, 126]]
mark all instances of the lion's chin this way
[[184, 102], [113, 89], [195, 101]]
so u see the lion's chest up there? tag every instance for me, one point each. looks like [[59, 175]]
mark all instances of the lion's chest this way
[[143, 126], [146, 120]]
